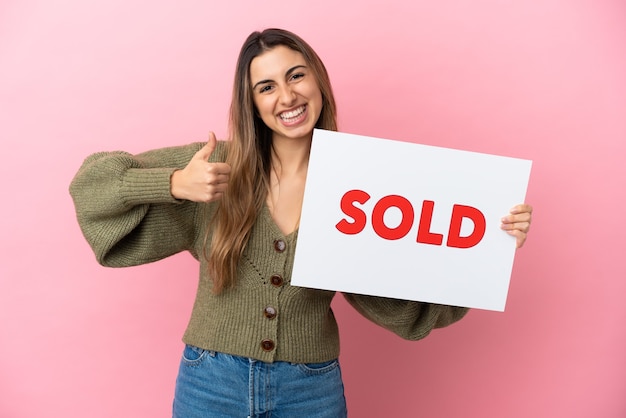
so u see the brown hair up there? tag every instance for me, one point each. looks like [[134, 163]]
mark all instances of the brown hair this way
[[249, 155]]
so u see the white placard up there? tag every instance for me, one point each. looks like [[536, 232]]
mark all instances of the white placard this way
[[380, 241]]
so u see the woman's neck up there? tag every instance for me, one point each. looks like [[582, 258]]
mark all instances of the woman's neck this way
[[290, 157]]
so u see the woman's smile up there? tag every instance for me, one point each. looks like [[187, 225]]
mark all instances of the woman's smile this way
[[293, 117]]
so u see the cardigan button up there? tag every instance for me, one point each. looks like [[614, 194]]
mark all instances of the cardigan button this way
[[280, 245], [269, 312], [267, 345], [276, 280]]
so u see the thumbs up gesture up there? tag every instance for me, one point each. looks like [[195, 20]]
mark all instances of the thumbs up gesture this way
[[200, 180]]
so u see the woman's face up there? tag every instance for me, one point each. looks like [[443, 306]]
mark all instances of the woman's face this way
[[285, 93]]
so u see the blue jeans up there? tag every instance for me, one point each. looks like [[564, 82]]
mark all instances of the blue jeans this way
[[217, 385]]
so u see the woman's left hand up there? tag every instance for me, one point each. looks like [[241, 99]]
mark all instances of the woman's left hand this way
[[517, 222]]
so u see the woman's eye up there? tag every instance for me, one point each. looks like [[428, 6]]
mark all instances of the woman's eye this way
[[297, 76], [265, 89]]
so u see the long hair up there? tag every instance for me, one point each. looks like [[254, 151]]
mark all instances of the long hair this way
[[248, 154]]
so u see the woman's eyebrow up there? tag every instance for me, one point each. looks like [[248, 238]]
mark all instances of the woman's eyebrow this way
[[294, 68], [288, 73], [261, 82]]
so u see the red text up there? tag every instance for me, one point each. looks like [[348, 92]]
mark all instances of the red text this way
[[424, 234]]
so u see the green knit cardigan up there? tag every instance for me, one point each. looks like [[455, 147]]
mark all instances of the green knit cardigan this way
[[128, 216]]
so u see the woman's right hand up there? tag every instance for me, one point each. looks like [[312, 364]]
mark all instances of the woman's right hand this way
[[200, 180]]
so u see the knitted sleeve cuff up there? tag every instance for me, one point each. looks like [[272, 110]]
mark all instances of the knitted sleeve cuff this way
[[147, 185]]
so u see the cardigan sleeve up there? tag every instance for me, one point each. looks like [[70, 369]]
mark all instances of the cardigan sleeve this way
[[125, 208], [410, 320]]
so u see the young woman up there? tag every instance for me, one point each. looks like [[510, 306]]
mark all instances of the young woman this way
[[255, 345]]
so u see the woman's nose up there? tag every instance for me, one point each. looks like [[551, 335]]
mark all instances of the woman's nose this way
[[287, 95]]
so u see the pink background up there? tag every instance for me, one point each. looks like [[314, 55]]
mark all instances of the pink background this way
[[541, 79]]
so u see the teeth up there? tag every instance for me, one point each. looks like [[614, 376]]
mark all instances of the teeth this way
[[292, 114]]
